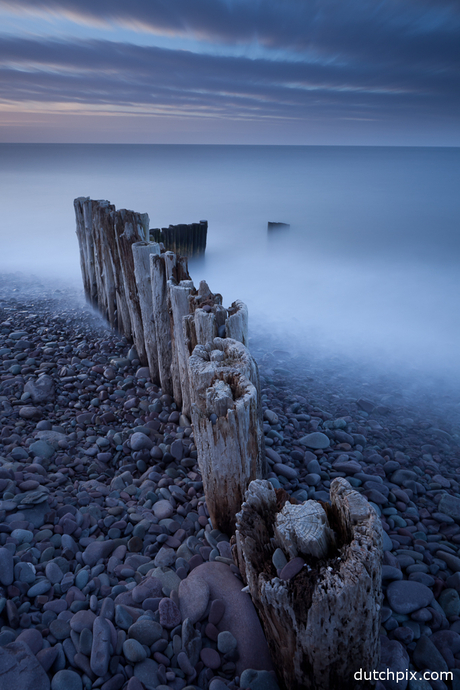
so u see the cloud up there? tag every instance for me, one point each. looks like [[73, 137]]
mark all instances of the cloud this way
[[369, 60]]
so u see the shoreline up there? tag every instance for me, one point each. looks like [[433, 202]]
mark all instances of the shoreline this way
[[402, 462]]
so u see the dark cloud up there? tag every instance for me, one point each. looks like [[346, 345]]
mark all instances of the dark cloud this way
[[325, 58], [386, 30]]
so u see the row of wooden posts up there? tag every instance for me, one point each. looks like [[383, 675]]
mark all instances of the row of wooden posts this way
[[322, 625]]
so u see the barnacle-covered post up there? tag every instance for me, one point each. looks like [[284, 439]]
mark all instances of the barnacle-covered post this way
[[227, 425], [321, 612]]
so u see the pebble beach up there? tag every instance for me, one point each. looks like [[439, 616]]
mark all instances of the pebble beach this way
[[111, 574]]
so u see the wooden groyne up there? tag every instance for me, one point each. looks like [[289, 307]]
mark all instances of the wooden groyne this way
[[189, 240], [324, 618]]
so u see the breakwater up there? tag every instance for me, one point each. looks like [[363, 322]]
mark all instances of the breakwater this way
[[196, 350]]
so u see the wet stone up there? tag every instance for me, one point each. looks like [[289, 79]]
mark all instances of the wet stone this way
[[194, 597], [134, 651], [66, 680], [405, 596], [216, 612], [293, 567], [20, 669], [169, 613], [60, 629], [146, 632], [316, 440], [6, 567], [32, 638], [210, 658], [82, 620]]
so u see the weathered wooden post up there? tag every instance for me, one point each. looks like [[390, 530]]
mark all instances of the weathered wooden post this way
[[236, 324], [321, 612], [158, 273], [183, 239], [141, 256], [84, 222], [227, 425], [179, 307], [131, 227]]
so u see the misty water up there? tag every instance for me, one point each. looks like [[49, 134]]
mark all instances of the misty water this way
[[367, 273]]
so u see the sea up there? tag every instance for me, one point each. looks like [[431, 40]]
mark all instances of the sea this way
[[367, 271]]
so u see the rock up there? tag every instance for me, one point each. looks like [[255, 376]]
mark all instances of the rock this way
[[240, 616], [97, 550], [426, 655], [52, 438], [316, 440], [146, 671], [41, 449], [450, 505], [292, 568], [163, 509], [226, 643], [82, 620], [454, 581], [193, 597], [210, 658], [216, 611], [30, 412], [258, 680], [285, 471], [169, 613], [393, 657], [149, 587], [407, 596], [365, 405], [41, 390], [47, 657], [140, 441], [134, 651], [177, 449], [66, 680], [20, 669], [450, 602], [452, 561], [33, 639], [60, 629], [165, 557], [6, 567], [100, 650], [145, 631]]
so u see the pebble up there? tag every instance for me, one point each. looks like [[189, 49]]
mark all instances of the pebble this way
[[134, 651], [6, 567], [316, 440], [193, 597], [406, 597], [210, 657], [170, 615], [66, 680], [109, 514], [145, 631]]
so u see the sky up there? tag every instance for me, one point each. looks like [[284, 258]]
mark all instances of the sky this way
[[335, 72]]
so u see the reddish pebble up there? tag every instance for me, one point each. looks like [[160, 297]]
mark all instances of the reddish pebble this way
[[169, 613], [217, 611], [292, 568], [211, 632], [210, 658]]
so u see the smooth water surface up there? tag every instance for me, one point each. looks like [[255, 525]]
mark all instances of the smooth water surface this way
[[369, 268]]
